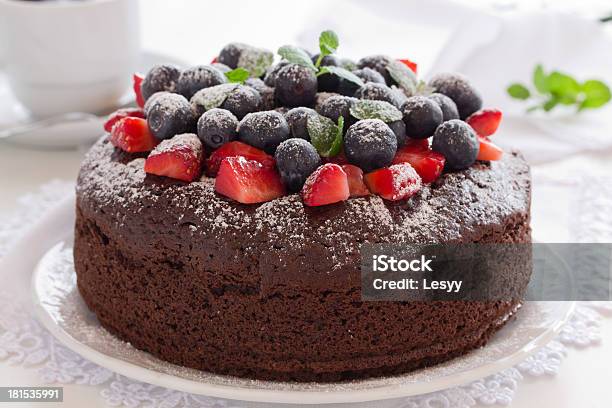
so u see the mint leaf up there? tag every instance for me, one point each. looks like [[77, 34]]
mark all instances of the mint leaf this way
[[296, 55], [325, 135], [342, 73], [255, 60], [213, 97], [540, 79], [348, 64], [405, 78], [422, 88], [596, 94], [550, 104], [328, 42], [563, 88], [238, 75], [368, 109], [518, 91]]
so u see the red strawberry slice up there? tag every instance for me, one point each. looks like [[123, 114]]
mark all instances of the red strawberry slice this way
[[248, 181], [132, 135], [327, 185], [233, 149], [412, 65], [120, 114], [357, 187], [214, 60], [427, 163], [485, 122], [488, 150], [137, 81], [179, 158], [396, 182]]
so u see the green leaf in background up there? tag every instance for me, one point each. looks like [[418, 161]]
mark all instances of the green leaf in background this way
[[238, 75], [596, 94], [405, 78], [296, 55], [519, 91], [563, 87], [424, 89], [328, 42], [342, 73], [550, 104], [369, 109], [325, 135], [540, 79]]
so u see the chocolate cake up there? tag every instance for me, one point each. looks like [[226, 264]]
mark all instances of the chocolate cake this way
[[242, 257]]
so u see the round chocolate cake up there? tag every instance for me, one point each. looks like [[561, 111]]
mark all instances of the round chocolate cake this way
[[235, 249]]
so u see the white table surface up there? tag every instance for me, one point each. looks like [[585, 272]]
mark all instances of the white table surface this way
[[583, 379]]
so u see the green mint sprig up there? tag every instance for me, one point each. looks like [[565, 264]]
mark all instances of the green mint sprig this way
[[328, 44], [237, 76], [325, 135], [556, 88]]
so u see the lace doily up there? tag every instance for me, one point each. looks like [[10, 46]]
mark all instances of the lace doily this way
[[24, 342]]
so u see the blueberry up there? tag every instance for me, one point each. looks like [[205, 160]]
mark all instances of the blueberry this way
[[321, 97], [449, 108], [296, 159], [221, 67], [378, 63], [327, 82], [266, 93], [272, 73], [149, 102], [366, 74], [196, 78], [399, 128], [217, 127], [337, 106], [230, 54], [160, 78], [370, 144], [170, 114], [380, 92], [256, 83], [457, 141], [348, 64], [297, 118], [264, 130], [236, 55], [242, 100], [422, 116], [459, 89], [296, 85]]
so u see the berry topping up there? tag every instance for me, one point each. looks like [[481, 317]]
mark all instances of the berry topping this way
[[217, 127], [264, 130], [296, 85], [366, 74], [169, 114], [296, 159], [120, 114], [399, 128], [328, 82], [248, 181], [422, 116], [427, 163], [336, 106], [179, 158], [221, 67], [234, 149], [393, 183], [132, 135], [242, 100], [230, 54], [327, 185], [457, 141], [488, 150], [412, 65], [193, 79], [137, 85], [379, 64], [370, 144], [459, 89], [272, 73], [448, 106], [380, 92], [160, 78], [485, 122], [297, 118], [357, 187], [253, 59]]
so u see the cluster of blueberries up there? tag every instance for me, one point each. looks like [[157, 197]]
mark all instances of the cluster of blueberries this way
[[271, 112]]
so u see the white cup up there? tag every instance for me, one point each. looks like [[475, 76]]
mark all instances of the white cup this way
[[64, 56]]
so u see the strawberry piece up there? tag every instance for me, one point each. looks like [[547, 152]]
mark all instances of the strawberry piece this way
[[179, 158], [357, 187], [339, 159], [132, 135], [485, 122], [248, 181], [396, 182], [427, 163], [214, 60], [137, 82], [327, 185], [412, 65], [119, 114], [488, 150], [233, 149]]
